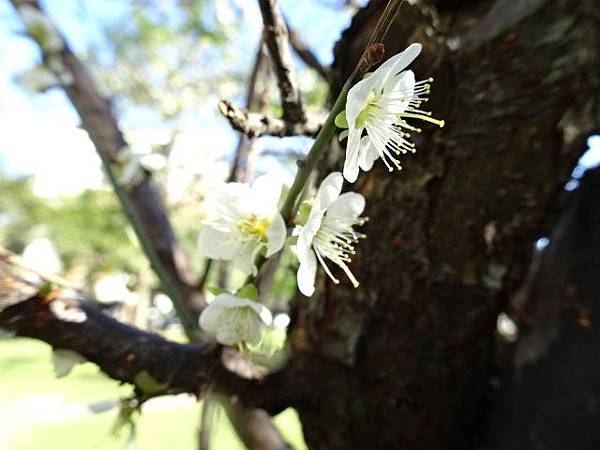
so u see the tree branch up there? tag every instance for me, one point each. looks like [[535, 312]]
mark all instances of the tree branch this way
[[276, 39], [243, 153], [124, 352], [121, 351], [255, 125], [147, 207]]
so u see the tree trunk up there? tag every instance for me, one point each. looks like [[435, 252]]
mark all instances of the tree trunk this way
[[550, 401], [407, 360]]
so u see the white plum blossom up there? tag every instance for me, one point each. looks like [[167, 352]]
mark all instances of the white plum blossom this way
[[40, 28], [133, 165], [38, 79], [328, 232], [45, 76], [64, 360], [379, 105], [234, 320], [247, 221]]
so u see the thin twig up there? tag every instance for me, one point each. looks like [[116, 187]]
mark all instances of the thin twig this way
[[15, 260], [207, 422], [324, 137], [276, 39], [242, 153], [254, 124]]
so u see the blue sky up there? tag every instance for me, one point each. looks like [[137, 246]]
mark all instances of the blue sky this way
[[41, 136]]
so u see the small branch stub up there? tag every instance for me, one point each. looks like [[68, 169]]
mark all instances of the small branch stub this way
[[375, 53]]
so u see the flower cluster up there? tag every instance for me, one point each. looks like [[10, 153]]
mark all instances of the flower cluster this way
[[52, 71], [248, 224]]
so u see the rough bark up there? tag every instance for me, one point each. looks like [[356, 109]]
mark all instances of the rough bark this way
[[405, 362], [550, 401], [277, 41]]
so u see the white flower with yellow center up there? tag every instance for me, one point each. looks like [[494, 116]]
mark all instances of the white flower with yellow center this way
[[247, 221], [327, 233], [235, 320], [379, 105]]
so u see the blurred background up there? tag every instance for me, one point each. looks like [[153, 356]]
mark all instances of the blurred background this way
[[164, 64]]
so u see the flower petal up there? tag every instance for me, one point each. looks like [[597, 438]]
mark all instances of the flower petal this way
[[262, 311], [209, 319], [329, 190], [244, 260], [358, 96], [265, 193], [352, 154], [368, 154], [399, 62], [404, 83], [276, 234], [227, 300], [64, 360], [307, 234], [348, 206], [306, 275], [217, 244]]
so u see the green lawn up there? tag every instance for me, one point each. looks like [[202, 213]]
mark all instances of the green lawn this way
[[40, 412]]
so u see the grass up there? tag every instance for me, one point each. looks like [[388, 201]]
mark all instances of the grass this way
[[40, 412]]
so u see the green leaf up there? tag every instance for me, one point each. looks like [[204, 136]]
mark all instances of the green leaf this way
[[343, 135], [217, 290], [303, 212], [341, 121], [148, 384], [292, 240], [249, 291]]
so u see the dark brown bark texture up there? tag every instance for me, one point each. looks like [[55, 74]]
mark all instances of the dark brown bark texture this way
[[551, 400], [408, 360]]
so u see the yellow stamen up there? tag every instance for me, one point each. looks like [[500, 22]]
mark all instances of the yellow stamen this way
[[439, 123]]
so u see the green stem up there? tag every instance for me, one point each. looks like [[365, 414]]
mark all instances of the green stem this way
[[325, 135], [321, 143], [189, 325], [315, 153]]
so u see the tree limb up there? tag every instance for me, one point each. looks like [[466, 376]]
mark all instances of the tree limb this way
[[124, 352], [243, 153], [276, 39], [121, 351], [102, 127]]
